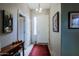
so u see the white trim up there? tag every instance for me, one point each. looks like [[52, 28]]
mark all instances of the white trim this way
[[50, 49]]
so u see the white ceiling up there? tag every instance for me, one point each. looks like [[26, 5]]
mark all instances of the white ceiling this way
[[42, 5]]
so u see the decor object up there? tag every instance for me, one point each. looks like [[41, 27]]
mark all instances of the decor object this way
[[73, 20], [39, 47], [7, 18], [56, 22], [39, 9]]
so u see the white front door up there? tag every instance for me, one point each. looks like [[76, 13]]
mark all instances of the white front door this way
[[42, 28]]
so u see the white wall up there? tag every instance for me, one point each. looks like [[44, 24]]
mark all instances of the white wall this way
[[55, 37], [6, 39]]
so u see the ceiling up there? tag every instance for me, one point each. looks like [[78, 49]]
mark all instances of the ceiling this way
[[36, 5]]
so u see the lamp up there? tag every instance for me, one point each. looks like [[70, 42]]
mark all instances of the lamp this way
[[39, 9]]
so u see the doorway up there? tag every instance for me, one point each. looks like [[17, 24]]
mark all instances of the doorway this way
[[43, 29], [21, 27], [40, 29]]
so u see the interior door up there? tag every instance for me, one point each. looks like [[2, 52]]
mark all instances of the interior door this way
[[42, 28], [21, 28]]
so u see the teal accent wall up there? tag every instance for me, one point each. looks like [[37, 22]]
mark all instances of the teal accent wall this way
[[69, 37]]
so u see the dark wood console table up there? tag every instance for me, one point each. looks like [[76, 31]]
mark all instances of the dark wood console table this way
[[13, 48]]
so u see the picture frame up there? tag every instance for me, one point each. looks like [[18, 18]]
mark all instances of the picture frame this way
[[7, 26], [73, 20], [56, 22]]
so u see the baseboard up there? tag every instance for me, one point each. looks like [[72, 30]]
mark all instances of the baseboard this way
[[43, 43], [27, 51], [50, 50]]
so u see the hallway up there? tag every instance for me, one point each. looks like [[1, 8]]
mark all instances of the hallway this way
[[32, 24]]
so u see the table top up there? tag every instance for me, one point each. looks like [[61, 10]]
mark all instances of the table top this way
[[8, 48]]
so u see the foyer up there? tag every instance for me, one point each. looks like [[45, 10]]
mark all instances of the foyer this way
[[39, 29]]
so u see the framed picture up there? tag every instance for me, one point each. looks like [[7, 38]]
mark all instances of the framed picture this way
[[73, 20], [56, 22], [7, 26]]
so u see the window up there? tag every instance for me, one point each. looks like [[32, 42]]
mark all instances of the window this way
[[35, 25]]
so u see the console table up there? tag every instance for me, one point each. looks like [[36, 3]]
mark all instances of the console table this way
[[13, 48]]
